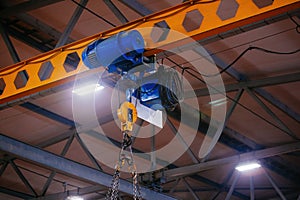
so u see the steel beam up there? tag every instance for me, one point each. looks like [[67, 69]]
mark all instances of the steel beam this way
[[236, 178], [22, 177], [74, 169], [241, 138], [218, 186], [87, 129], [38, 45], [25, 7], [277, 103], [15, 193], [254, 155], [63, 195], [48, 114], [71, 24], [235, 141], [137, 7], [233, 105], [153, 149], [87, 152], [275, 186], [116, 11], [56, 139], [211, 25], [53, 173], [269, 81], [272, 114], [224, 184], [182, 141], [3, 168], [187, 185], [174, 186], [266, 95], [41, 26], [12, 51]]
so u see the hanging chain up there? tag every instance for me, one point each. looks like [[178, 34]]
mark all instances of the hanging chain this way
[[124, 157], [113, 191]]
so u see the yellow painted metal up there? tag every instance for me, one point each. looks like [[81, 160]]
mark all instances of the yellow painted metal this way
[[247, 12], [127, 114]]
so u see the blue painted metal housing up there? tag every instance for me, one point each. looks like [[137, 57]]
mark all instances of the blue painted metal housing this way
[[118, 53]]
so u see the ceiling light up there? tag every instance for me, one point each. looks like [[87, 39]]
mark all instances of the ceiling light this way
[[247, 166], [218, 102], [74, 198], [86, 89]]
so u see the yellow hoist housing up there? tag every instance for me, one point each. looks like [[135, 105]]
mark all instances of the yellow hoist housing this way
[[127, 114]]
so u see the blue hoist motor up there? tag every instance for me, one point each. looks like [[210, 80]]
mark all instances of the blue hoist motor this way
[[123, 54], [119, 53]]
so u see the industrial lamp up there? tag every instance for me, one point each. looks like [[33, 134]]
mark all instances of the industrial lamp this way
[[87, 89], [247, 166], [74, 197]]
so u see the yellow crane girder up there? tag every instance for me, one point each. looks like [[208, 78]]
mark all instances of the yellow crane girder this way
[[196, 19]]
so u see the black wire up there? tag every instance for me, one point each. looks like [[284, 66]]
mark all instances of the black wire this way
[[238, 103], [297, 25], [252, 41], [244, 52], [92, 12]]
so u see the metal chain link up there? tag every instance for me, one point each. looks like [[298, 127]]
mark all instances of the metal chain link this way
[[113, 192], [136, 187]]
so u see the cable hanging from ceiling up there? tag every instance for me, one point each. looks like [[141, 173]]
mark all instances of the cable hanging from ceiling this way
[[297, 28], [188, 69], [247, 50], [93, 13]]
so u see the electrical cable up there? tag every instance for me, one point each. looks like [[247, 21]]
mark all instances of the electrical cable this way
[[252, 41], [171, 90], [244, 52], [233, 100], [92, 12], [133, 26], [297, 25]]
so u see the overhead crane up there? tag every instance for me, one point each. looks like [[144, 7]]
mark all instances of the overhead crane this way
[[83, 57], [53, 68]]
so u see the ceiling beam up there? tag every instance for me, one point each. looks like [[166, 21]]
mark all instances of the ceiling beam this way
[[9, 44], [278, 104], [253, 155], [116, 11], [263, 93], [87, 129], [21, 36], [25, 7], [15, 193], [212, 25], [22, 177], [66, 166], [71, 24], [137, 7], [269, 81], [64, 195], [41, 26], [48, 114]]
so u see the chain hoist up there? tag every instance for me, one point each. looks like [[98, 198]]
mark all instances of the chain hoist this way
[[127, 114]]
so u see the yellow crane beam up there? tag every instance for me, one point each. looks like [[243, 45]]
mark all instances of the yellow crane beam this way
[[195, 19]]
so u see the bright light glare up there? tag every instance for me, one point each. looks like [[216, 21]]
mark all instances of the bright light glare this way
[[87, 89], [218, 102], [247, 167], [74, 198]]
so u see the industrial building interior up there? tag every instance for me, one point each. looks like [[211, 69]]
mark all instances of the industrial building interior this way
[[50, 147]]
